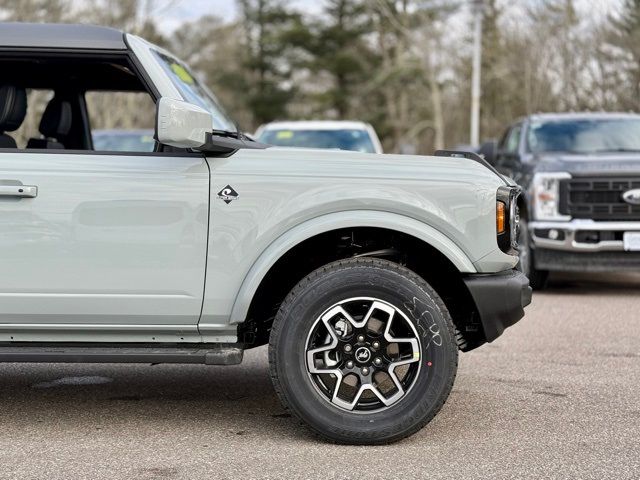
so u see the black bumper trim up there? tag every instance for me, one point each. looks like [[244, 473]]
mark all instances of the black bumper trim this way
[[500, 299], [562, 261]]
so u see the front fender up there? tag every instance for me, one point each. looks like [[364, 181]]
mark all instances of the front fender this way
[[334, 221]]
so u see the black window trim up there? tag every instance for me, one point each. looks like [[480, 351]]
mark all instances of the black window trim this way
[[518, 124], [137, 69], [185, 153]]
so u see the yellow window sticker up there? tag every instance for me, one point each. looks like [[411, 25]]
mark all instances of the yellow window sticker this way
[[182, 73], [284, 135]]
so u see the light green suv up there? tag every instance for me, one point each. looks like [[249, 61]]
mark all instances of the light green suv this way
[[365, 274]]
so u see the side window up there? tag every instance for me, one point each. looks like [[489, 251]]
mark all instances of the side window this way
[[503, 139], [121, 121], [513, 140]]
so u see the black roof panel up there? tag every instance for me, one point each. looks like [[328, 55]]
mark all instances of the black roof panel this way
[[50, 35]]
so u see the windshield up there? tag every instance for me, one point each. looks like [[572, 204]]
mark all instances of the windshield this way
[[585, 136], [354, 140], [194, 92]]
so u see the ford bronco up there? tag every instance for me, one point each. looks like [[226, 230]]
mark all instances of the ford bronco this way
[[365, 274]]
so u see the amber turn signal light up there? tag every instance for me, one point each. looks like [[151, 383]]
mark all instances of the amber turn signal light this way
[[501, 217]]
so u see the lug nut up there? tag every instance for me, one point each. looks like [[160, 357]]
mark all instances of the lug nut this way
[[377, 361], [376, 344], [348, 348], [365, 371], [360, 338], [350, 364]]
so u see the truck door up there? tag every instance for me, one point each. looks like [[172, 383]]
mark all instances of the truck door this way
[[508, 156], [102, 245]]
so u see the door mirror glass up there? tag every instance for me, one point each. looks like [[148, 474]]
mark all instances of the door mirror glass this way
[[488, 151], [182, 124]]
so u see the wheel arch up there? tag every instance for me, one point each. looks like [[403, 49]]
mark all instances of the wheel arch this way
[[523, 205], [327, 239], [335, 221]]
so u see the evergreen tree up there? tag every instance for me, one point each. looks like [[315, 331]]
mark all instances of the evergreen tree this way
[[214, 49], [268, 30], [36, 10], [497, 77], [624, 36], [338, 48]]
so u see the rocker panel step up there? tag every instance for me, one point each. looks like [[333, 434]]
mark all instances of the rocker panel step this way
[[219, 355]]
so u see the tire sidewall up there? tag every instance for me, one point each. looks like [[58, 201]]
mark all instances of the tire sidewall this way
[[438, 348], [537, 278], [525, 263]]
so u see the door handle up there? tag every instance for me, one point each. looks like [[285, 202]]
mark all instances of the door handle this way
[[27, 191]]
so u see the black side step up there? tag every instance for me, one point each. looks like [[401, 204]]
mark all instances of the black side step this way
[[210, 355]]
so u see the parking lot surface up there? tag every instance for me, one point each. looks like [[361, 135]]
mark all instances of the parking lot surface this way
[[558, 396]]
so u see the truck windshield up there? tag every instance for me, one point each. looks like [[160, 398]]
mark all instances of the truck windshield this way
[[354, 140], [194, 92], [585, 136]]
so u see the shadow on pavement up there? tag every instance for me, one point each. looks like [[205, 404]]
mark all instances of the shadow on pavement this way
[[237, 400]]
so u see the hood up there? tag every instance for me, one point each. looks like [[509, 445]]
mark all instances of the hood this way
[[340, 163], [582, 164]]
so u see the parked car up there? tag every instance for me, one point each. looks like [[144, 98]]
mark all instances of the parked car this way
[[365, 274], [339, 135], [123, 140], [580, 208]]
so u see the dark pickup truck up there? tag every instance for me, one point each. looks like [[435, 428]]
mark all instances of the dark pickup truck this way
[[580, 205]]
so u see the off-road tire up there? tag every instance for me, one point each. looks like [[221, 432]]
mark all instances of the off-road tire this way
[[399, 287], [537, 278]]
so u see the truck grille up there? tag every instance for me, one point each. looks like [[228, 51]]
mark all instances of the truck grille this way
[[598, 198]]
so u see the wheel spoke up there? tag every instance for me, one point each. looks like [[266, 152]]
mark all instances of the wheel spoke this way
[[386, 400], [331, 345], [415, 346], [343, 403]]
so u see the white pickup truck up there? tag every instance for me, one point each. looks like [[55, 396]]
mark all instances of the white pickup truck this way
[[365, 273]]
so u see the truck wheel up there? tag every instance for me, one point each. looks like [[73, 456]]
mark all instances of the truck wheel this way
[[537, 278], [363, 351]]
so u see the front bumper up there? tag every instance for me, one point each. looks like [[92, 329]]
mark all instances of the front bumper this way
[[581, 235], [559, 261], [500, 299]]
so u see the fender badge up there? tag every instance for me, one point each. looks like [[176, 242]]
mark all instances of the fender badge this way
[[228, 194]]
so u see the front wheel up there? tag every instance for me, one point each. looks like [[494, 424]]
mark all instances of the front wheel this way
[[363, 351], [526, 264]]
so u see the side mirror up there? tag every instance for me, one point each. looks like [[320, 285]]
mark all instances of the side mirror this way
[[488, 150], [182, 124]]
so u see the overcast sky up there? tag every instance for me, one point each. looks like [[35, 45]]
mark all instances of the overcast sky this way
[[186, 10]]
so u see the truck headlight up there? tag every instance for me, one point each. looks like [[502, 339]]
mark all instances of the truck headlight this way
[[546, 196], [507, 219]]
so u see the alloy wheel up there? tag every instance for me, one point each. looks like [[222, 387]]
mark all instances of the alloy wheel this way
[[362, 355]]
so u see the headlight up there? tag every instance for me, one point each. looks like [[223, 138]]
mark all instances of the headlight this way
[[507, 219], [546, 196]]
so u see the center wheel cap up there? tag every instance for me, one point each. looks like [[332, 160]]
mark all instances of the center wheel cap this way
[[363, 355]]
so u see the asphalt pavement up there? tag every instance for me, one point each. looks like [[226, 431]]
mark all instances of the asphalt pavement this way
[[557, 396]]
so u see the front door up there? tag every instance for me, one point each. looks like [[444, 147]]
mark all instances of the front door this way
[[508, 158], [103, 247]]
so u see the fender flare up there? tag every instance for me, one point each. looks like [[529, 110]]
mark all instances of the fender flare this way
[[335, 221]]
